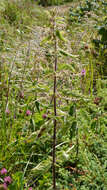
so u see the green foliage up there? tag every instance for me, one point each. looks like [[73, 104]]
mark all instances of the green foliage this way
[[26, 97], [77, 14], [18, 182], [101, 44], [52, 2], [11, 13]]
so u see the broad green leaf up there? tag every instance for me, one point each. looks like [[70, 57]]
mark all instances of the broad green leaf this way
[[59, 35], [67, 54]]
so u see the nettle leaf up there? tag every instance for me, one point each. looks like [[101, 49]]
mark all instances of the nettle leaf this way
[[47, 39], [72, 110], [67, 54], [59, 35]]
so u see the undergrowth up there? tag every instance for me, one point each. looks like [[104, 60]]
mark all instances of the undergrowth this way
[[27, 52]]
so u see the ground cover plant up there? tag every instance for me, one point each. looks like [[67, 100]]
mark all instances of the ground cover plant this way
[[53, 96]]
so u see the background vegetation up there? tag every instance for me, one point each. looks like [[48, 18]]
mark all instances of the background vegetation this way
[[27, 52]]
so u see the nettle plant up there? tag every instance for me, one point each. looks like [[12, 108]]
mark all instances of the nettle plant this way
[[55, 111]]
